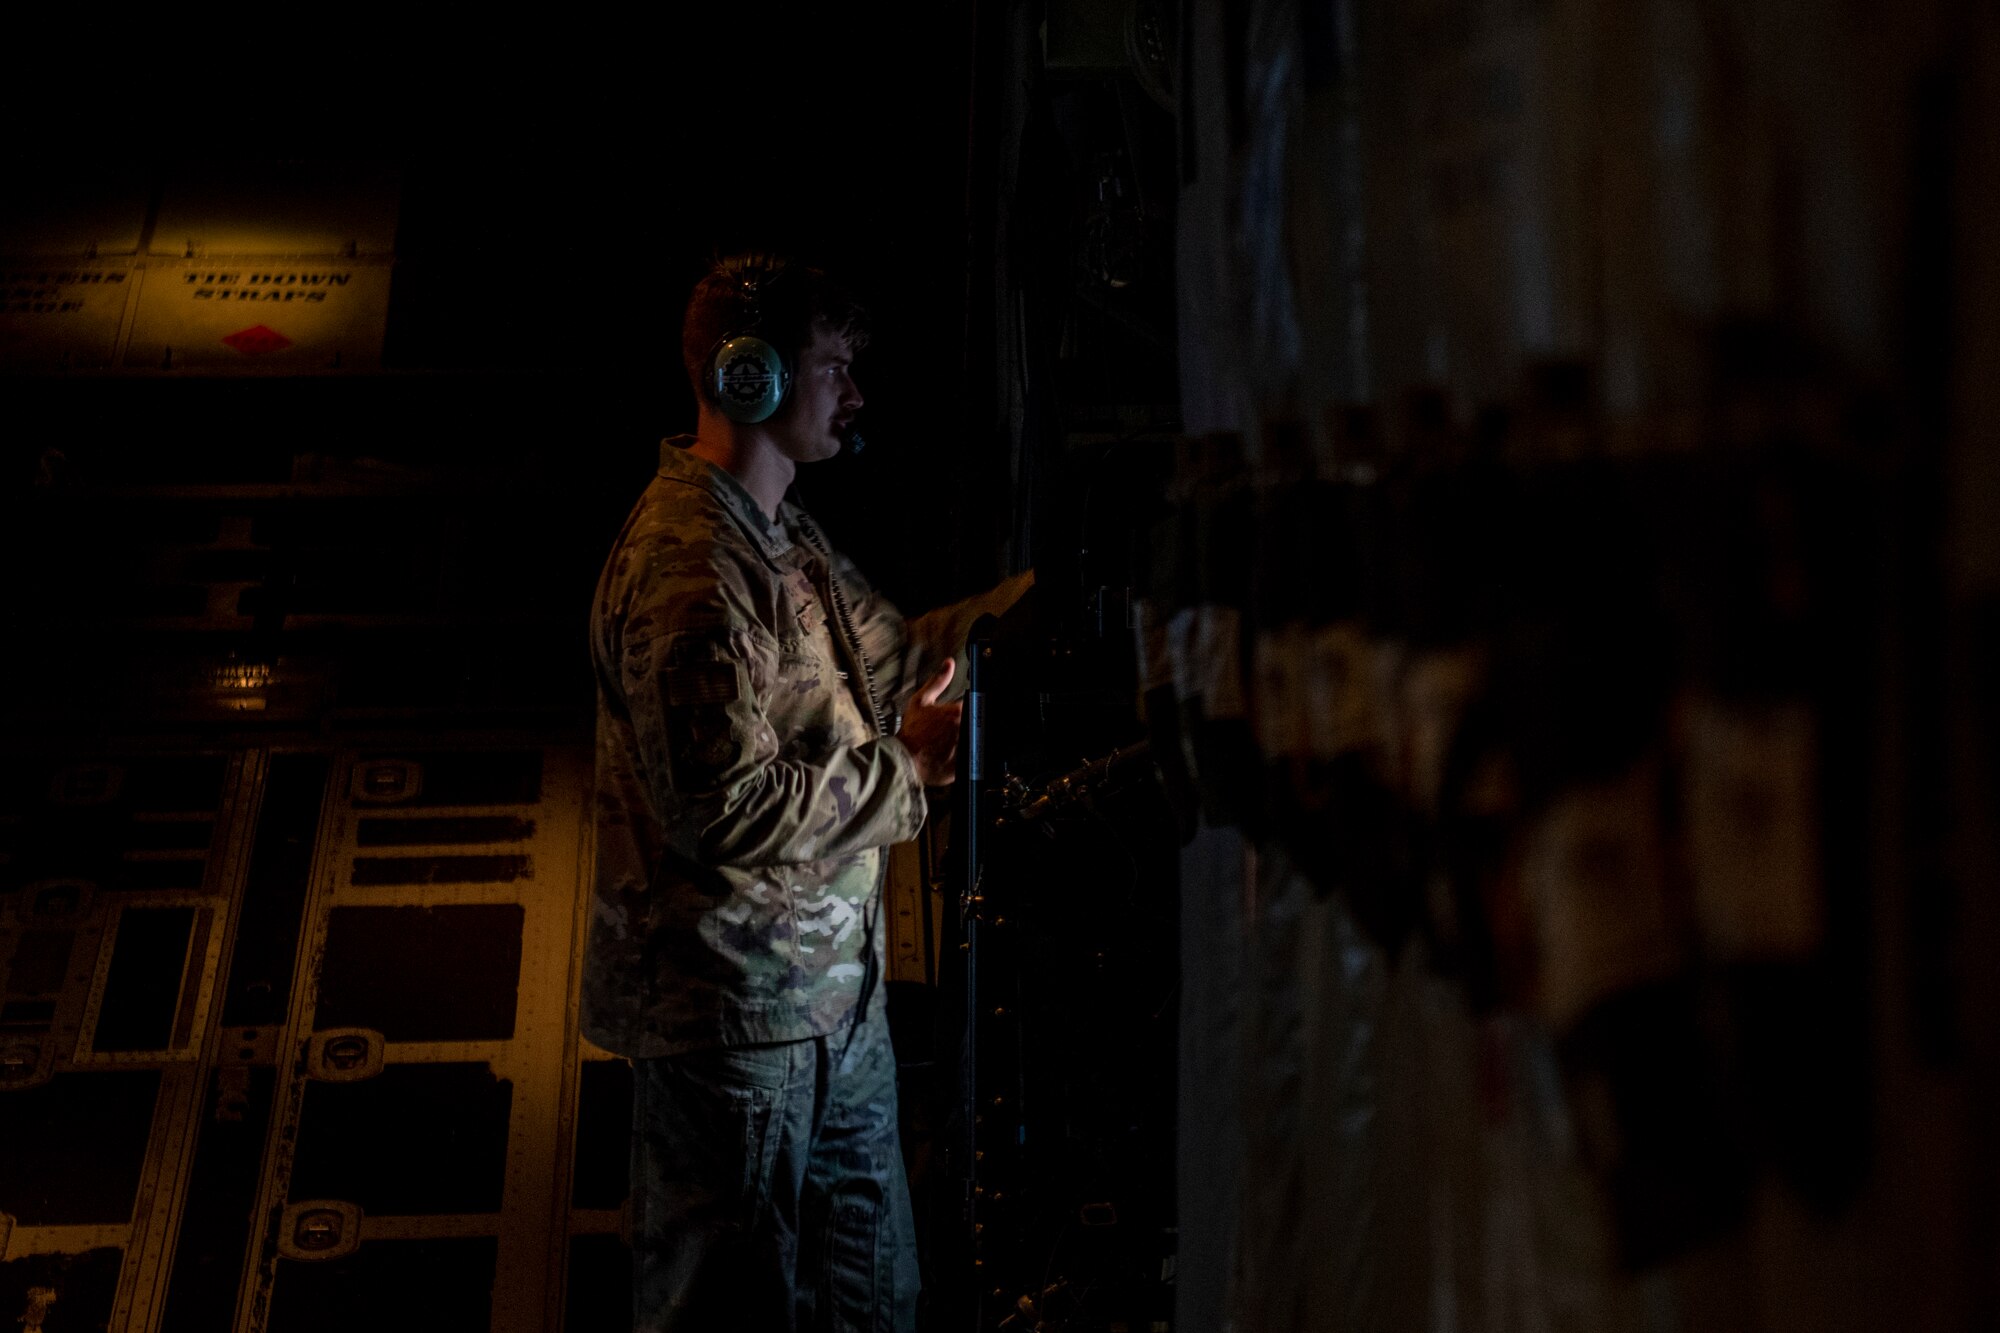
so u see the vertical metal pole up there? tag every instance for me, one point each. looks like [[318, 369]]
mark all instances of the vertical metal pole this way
[[978, 654]]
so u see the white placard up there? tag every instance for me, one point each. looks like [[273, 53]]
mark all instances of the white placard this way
[[62, 316], [256, 315]]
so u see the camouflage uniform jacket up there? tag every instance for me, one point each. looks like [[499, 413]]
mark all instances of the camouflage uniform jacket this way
[[745, 794]]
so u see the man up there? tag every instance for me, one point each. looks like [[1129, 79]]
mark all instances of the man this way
[[767, 726]]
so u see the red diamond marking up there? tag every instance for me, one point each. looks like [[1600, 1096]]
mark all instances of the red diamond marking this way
[[252, 341]]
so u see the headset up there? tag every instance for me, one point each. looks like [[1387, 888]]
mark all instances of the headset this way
[[749, 378]]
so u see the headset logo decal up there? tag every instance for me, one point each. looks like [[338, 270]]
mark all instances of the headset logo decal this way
[[746, 378]]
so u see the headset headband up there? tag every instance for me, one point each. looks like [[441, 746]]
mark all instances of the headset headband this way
[[748, 377]]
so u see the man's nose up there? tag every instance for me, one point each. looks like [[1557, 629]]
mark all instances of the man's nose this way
[[850, 393]]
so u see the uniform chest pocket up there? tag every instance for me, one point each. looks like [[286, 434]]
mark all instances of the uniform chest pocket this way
[[799, 653], [808, 613], [806, 672]]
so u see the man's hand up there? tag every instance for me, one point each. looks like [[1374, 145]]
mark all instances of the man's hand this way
[[930, 730]]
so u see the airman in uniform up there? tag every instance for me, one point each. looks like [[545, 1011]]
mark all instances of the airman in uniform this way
[[767, 726]]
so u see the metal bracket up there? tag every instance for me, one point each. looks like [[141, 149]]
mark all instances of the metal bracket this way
[[345, 1055], [317, 1229], [86, 784], [387, 781]]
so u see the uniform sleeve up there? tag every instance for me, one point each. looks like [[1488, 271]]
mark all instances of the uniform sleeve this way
[[725, 796]]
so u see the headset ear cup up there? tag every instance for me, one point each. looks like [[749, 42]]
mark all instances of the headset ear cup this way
[[748, 379]]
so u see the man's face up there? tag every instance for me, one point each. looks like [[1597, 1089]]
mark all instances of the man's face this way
[[813, 423]]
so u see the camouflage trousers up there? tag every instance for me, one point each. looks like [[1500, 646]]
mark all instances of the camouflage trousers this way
[[768, 1189]]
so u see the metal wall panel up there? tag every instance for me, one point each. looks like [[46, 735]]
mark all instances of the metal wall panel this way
[[63, 314], [278, 208], [69, 210], [333, 1071], [236, 313], [84, 846], [423, 1110], [221, 268]]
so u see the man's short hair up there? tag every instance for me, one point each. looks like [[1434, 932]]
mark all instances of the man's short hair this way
[[780, 301]]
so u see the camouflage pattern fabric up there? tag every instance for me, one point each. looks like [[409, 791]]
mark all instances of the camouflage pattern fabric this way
[[768, 1188], [745, 794]]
